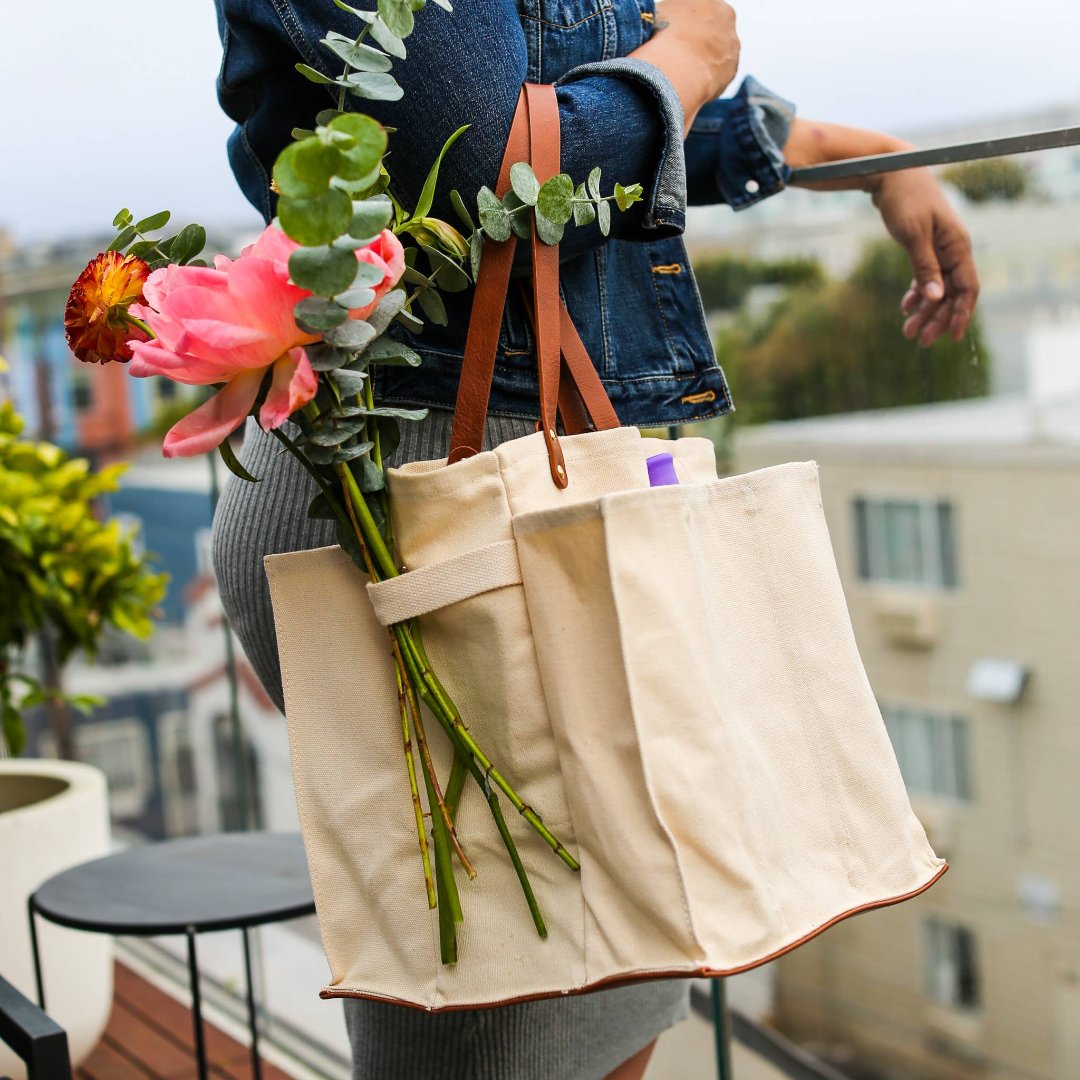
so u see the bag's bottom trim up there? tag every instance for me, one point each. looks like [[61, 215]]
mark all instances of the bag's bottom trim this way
[[622, 980]]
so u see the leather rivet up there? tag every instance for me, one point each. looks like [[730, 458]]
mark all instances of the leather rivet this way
[[560, 470], [551, 433]]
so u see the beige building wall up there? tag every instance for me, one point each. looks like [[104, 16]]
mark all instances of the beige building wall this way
[[1017, 526]]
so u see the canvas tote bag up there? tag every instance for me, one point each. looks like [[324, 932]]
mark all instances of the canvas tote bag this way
[[667, 675]]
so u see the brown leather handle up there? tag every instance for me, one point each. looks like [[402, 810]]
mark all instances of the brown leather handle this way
[[563, 364]]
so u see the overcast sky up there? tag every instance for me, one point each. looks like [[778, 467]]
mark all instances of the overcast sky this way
[[111, 102]]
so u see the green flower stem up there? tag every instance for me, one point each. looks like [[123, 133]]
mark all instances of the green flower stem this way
[[131, 320], [324, 487], [418, 810]]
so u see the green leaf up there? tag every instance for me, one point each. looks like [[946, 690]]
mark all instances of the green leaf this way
[[320, 509], [361, 57], [335, 432], [356, 298], [386, 309], [603, 214], [621, 201], [549, 231], [316, 221], [14, 731], [555, 200], [375, 85], [122, 239], [451, 277], [414, 276], [143, 248], [324, 271], [367, 16], [323, 118], [370, 217], [353, 334], [427, 193], [476, 248], [122, 219], [371, 478], [389, 435], [594, 183], [494, 219], [299, 133], [187, 243], [154, 221], [365, 154], [387, 38], [524, 183], [398, 413], [232, 464], [349, 453], [315, 314], [303, 169], [349, 383], [444, 4], [583, 209], [366, 275], [410, 321], [385, 350], [433, 307], [326, 357], [459, 208], [346, 538], [519, 222], [314, 76], [398, 17]]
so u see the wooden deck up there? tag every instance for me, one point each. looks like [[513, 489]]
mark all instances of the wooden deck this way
[[150, 1034]]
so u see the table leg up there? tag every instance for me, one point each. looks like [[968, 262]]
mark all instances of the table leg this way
[[256, 1064], [196, 1003], [36, 952]]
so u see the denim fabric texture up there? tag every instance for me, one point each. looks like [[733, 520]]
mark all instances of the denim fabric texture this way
[[632, 295]]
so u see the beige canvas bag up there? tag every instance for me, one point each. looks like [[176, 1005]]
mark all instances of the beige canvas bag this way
[[668, 675]]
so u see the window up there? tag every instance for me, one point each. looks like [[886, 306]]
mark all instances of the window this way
[[906, 541], [952, 976], [82, 391], [932, 750]]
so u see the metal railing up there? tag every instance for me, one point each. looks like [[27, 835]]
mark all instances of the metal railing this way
[[34, 1036]]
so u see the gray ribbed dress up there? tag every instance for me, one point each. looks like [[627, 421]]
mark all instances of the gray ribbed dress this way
[[584, 1037]]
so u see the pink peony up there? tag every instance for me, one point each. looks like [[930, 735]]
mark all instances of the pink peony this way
[[228, 324]]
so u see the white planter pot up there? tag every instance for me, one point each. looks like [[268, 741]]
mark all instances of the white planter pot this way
[[53, 814]]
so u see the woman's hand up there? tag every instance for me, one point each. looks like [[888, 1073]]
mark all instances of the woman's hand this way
[[698, 50], [945, 284]]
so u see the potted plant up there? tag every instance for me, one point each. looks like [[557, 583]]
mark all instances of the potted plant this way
[[66, 577]]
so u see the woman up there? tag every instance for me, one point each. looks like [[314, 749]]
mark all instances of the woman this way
[[638, 96]]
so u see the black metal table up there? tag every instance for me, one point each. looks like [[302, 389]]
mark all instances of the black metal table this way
[[230, 881]]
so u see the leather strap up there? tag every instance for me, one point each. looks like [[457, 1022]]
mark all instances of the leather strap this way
[[569, 386]]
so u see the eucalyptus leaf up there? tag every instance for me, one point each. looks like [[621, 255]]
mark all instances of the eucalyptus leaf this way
[[154, 221], [549, 231], [323, 118], [123, 218], [318, 314], [359, 56], [603, 215], [414, 276], [386, 309], [336, 433], [476, 248], [326, 357], [594, 183], [432, 304], [349, 383], [320, 509], [370, 217], [313, 75], [315, 221], [303, 169], [375, 85], [389, 435], [398, 16], [346, 538], [385, 37], [365, 155], [122, 239], [524, 182], [398, 413], [367, 16], [366, 274], [410, 321], [187, 243], [583, 209], [386, 350], [324, 271], [520, 223], [349, 453], [494, 219], [353, 334], [299, 133], [371, 478], [356, 298], [444, 4], [555, 199]]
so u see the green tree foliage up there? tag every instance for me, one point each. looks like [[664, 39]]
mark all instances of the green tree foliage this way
[[1003, 179], [62, 570], [725, 280], [837, 346]]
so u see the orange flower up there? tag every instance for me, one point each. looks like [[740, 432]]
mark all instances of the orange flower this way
[[96, 319]]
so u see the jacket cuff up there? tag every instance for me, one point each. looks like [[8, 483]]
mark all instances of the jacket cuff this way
[[734, 150], [665, 195]]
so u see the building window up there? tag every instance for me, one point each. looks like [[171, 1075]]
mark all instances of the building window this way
[[906, 541], [932, 750], [952, 975], [82, 391]]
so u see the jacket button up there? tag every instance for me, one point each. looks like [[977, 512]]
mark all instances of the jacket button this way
[[752, 186]]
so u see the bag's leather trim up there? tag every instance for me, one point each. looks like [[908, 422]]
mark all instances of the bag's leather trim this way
[[622, 980]]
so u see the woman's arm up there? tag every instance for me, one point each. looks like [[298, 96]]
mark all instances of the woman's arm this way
[[916, 213]]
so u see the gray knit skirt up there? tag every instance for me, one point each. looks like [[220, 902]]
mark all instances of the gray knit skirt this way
[[583, 1037]]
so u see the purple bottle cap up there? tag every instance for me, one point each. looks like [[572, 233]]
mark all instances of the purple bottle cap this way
[[661, 470]]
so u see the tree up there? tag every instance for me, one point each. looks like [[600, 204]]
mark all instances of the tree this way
[[982, 181], [724, 280], [837, 347]]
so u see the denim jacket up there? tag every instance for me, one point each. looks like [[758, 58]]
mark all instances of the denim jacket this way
[[632, 295]]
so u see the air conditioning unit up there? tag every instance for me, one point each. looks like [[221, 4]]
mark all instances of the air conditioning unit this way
[[909, 619]]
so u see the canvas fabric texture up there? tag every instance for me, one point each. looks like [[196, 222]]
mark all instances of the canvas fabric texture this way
[[669, 676]]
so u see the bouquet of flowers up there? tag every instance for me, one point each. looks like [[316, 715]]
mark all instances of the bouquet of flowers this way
[[295, 329]]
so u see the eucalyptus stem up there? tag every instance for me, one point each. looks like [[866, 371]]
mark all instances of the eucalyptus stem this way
[[414, 790], [342, 92]]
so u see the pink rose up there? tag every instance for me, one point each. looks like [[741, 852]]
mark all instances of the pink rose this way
[[228, 324]]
